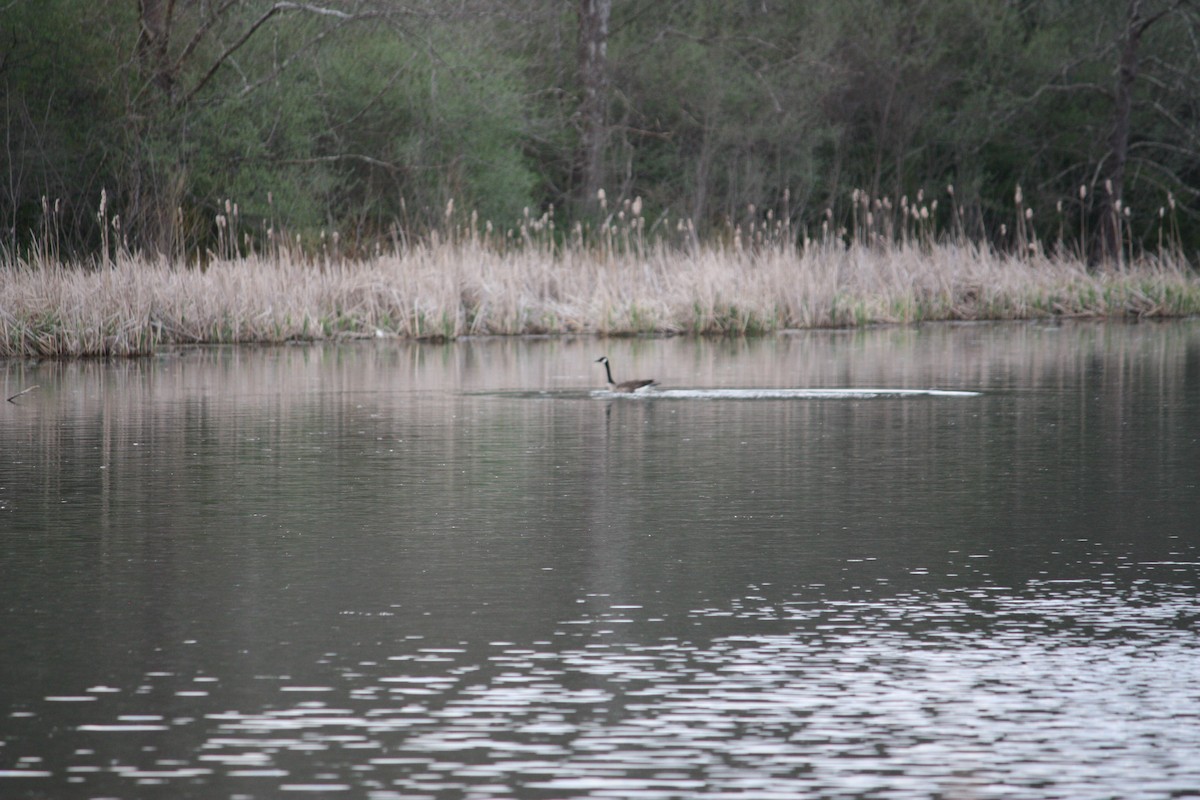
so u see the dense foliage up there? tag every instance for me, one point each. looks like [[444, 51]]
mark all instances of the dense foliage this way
[[239, 121]]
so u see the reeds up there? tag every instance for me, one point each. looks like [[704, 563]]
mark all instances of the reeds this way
[[890, 264]]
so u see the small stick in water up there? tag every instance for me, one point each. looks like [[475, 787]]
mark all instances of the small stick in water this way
[[23, 391]]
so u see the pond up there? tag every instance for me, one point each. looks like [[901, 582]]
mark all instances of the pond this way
[[404, 570]]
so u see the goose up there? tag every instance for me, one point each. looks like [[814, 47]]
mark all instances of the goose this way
[[623, 386]]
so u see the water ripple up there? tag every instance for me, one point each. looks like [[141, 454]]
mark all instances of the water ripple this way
[[979, 693]]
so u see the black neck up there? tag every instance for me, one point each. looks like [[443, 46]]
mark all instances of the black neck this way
[[608, 372]]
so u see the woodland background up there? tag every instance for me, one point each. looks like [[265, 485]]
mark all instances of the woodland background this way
[[154, 124]]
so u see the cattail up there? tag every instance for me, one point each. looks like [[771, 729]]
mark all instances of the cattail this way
[[1108, 185], [602, 198], [950, 189], [1127, 212], [1029, 213], [1018, 195], [1171, 200], [1058, 206], [637, 206], [1082, 191]]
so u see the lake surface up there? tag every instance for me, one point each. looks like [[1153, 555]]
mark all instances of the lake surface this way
[[394, 570]]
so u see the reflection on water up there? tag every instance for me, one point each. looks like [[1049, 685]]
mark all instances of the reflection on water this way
[[388, 570]]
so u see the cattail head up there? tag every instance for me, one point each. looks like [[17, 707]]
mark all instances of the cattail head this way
[[1082, 191], [1029, 213], [950, 189], [1108, 185], [1017, 197], [602, 197], [637, 206]]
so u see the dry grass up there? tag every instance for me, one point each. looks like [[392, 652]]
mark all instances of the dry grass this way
[[470, 286]]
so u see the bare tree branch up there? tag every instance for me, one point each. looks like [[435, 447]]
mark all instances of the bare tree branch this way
[[253, 28]]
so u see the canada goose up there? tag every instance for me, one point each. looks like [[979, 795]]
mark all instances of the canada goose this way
[[623, 386]]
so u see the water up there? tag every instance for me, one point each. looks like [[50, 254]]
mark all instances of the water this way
[[386, 570]]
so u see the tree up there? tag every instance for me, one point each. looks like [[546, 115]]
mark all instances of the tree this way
[[1139, 18], [593, 107]]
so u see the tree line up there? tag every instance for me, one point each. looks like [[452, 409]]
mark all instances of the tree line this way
[[163, 125]]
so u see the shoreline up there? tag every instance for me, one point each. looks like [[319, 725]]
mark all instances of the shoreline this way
[[452, 290]]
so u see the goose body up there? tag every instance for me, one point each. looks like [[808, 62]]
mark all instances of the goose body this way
[[623, 386]]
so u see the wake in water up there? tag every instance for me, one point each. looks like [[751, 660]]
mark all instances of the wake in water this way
[[779, 394]]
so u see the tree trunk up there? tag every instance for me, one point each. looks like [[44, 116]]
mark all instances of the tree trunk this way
[[593, 110], [154, 37], [1110, 244]]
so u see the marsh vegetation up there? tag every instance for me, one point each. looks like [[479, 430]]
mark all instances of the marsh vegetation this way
[[623, 283]]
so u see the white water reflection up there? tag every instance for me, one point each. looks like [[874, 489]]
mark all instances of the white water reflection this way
[[865, 393], [993, 692]]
